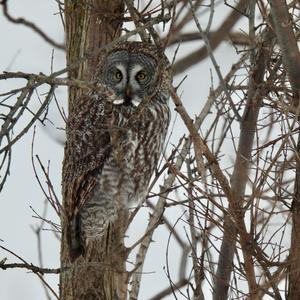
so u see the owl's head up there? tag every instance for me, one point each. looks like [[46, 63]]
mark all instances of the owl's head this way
[[133, 71]]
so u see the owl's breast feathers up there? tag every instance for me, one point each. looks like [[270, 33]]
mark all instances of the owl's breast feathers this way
[[96, 133], [87, 148]]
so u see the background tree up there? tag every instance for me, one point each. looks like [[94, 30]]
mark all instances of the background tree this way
[[225, 194]]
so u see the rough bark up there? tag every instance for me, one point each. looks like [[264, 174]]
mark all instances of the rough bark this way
[[101, 274]]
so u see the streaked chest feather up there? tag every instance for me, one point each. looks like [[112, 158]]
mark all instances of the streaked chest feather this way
[[136, 153]]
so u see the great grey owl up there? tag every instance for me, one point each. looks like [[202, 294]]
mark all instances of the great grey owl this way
[[115, 136]]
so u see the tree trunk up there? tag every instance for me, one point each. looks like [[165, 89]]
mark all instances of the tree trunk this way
[[287, 41], [294, 269], [239, 179], [101, 274]]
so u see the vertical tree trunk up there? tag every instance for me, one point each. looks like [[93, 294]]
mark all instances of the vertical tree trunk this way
[[101, 274], [287, 41], [294, 270], [239, 179]]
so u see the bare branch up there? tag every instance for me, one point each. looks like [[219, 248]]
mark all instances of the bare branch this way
[[215, 40], [31, 25], [38, 271]]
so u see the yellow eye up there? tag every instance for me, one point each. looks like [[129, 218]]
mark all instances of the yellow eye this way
[[140, 76], [118, 75]]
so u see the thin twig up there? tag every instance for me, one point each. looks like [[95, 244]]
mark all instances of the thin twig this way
[[31, 25], [36, 270]]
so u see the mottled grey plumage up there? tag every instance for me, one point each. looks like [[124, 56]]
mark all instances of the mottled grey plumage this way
[[115, 136]]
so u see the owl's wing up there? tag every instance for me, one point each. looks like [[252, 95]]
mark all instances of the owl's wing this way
[[87, 148]]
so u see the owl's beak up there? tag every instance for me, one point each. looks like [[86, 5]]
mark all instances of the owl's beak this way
[[128, 95]]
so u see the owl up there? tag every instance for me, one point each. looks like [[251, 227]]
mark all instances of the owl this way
[[115, 135]]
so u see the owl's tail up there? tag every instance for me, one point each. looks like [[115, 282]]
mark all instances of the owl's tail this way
[[73, 238]]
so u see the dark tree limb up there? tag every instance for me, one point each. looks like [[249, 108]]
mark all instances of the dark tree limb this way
[[239, 180], [287, 41]]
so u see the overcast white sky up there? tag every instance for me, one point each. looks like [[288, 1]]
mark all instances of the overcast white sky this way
[[23, 50]]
